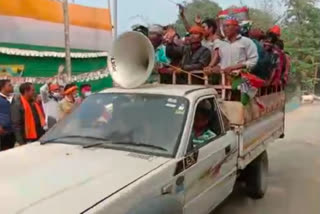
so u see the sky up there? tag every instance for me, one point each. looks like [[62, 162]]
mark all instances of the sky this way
[[132, 12]]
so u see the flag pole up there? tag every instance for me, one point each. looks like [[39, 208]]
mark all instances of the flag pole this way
[[115, 18], [67, 38]]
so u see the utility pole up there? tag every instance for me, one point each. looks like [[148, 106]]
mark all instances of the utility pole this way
[[67, 38]]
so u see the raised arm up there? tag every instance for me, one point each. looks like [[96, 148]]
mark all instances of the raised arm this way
[[183, 18], [44, 93]]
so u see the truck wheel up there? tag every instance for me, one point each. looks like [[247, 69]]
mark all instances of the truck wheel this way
[[256, 175]]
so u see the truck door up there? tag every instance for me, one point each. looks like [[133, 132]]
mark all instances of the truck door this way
[[210, 173]]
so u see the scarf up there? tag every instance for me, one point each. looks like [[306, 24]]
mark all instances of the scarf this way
[[29, 123]]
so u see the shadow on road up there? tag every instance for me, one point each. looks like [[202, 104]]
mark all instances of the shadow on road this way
[[235, 201]]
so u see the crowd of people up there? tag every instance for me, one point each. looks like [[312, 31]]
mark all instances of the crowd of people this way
[[26, 116], [212, 46], [219, 46]]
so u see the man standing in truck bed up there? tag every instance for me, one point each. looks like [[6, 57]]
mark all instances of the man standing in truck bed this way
[[236, 52]]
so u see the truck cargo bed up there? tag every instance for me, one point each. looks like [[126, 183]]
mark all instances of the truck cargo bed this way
[[243, 115]]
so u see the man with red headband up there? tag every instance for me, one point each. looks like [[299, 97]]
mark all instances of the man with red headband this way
[[68, 103], [235, 54], [235, 51], [194, 56]]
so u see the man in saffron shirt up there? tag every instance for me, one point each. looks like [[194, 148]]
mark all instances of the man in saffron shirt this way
[[27, 117], [68, 103]]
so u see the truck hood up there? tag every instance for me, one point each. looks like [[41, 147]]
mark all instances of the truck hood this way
[[57, 178]]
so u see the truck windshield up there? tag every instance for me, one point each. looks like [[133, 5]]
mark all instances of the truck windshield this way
[[136, 122]]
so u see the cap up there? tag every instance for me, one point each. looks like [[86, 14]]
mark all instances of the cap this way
[[231, 20], [196, 30], [70, 90], [276, 30], [156, 29]]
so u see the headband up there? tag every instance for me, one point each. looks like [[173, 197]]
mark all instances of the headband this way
[[70, 90]]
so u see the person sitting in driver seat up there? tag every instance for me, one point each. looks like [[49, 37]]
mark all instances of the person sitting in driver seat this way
[[201, 133]]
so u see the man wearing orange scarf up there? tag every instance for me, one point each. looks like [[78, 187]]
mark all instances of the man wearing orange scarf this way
[[27, 116]]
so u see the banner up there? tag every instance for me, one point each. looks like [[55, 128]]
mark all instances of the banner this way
[[11, 70], [62, 79]]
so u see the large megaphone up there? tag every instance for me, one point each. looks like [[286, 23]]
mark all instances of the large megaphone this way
[[131, 60]]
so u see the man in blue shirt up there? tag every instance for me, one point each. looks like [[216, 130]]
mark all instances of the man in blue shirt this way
[[7, 138], [156, 37]]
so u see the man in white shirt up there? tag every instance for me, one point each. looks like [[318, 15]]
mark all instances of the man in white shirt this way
[[50, 95], [235, 51]]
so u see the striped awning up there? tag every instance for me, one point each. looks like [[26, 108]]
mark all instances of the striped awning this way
[[34, 53]]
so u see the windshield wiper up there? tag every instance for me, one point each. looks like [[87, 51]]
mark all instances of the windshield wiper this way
[[140, 145], [96, 144], [105, 141], [74, 136]]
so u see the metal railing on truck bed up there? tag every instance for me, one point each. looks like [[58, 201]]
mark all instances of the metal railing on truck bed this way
[[272, 97]]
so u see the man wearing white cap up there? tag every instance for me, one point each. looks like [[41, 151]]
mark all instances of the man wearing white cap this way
[[156, 37]]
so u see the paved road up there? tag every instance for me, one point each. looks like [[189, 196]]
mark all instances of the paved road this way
[[294, 171]]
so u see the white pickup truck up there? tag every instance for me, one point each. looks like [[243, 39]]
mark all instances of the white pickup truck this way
[[132, 151]]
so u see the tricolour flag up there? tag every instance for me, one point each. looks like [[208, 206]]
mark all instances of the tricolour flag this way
[[41, 22]]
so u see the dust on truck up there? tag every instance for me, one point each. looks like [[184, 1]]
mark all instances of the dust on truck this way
[[131, 151]]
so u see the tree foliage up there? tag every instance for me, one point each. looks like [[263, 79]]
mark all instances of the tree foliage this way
[[301, 34], [261, 19], [203, 8]]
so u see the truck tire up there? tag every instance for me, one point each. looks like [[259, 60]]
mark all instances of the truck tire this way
[[256, 175]]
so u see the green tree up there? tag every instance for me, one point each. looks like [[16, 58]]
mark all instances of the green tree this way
[[261, 19], [203, 8], [301, 35]]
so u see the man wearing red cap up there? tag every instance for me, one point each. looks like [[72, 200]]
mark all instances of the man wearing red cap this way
[[50, 95], [68, 103], [275, 30]]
